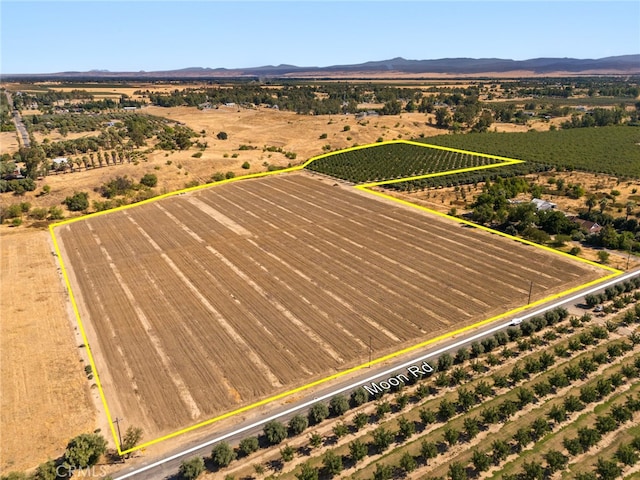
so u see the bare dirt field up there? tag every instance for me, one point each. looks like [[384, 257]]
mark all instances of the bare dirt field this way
[[9, 142], [201, 303], [45, 395]]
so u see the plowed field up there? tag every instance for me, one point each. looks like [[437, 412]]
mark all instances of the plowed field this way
[[207, 301]]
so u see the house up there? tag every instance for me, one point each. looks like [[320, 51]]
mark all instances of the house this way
[[588, 226], [129, 109], [59, 160], [543, 204]]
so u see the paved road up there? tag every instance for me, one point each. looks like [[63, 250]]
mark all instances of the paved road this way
[[167, 466], [17, 120]]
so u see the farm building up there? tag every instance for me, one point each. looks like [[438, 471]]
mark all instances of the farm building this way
[[543, 204]]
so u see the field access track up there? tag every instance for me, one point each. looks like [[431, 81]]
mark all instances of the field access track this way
[[204, 302]]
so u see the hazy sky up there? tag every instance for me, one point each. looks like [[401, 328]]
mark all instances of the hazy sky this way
[[54, 36]]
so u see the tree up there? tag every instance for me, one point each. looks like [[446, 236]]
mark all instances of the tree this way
[[360, 420], [627, 455], [445, 361], [249, 445], [46, 471], [522, 438], [406, 427], [382, 472], [359, 397], [481, 461], [525, 396], [223, 454], [79, 202], [588, 437], [573, 404], [539, 428], [483, 389], [275, 432], [427, 416], [446, 410], [382, 438], [572, 445], [357, 451], [608, 469], [222, 135], [471, 427], [508, 408], [466, 399], [149, 180], [287, 453], [382, 409], [606, 424], [191, 469], [457, 471], [85, 450], [500, 451], [490, 415], [132, 436], [451, 436], [340, 430], [591, 201], [315, 440], [443, 117], [603, 256], [621, 413], [408, 463], [307, 472], [402, 400], [332, 463], [318, 413], [533, 471], [298, 424], [556, 461], [339, 405]]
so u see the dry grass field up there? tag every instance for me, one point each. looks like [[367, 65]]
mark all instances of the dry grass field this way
[[201, 303], [45, 395]]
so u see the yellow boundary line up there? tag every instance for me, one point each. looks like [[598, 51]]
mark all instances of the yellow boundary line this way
[[363, 187]]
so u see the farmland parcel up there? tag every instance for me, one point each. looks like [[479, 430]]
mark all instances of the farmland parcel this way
[[201, 303]]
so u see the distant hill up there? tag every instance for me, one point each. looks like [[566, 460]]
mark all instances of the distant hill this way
[[395, 67]]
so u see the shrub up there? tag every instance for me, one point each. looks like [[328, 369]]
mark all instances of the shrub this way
[[197, 155], [249, 445], [246, 165], [191, 469], [149, 180], [85, 450], [275, 432], [78, 202], [298, 424], [38, 213], [339, 405], [222, 135], [318, 413], [223, 454]]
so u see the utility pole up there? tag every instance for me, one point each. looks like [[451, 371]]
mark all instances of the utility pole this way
[[369, 351], [530, 290], [628, 259], [117, 422]]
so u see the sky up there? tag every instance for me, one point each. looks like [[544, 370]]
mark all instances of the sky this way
[[54, 36]]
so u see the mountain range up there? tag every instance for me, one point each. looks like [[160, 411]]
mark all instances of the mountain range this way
[[395, 67]]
